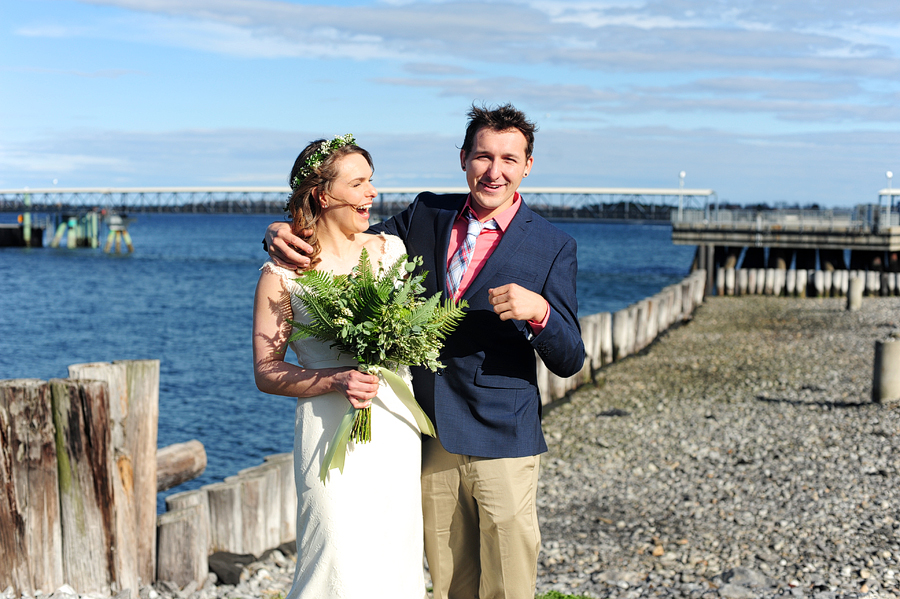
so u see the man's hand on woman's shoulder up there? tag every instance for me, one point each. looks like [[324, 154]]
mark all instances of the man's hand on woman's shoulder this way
[[285, 248]]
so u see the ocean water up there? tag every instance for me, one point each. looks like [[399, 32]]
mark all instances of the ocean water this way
[[185, 297]]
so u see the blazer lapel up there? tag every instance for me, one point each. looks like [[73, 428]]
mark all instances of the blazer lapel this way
[[443, 225], [505, 251]]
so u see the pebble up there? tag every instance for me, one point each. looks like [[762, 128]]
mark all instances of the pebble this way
[[739, 457]]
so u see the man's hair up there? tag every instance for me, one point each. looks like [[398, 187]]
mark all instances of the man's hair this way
[[499, 119]]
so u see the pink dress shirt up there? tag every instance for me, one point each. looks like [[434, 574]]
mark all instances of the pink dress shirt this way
[[484, 246]]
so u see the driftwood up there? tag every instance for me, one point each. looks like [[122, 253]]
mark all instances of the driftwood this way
[[179, 463], [87, 508], [30, 532]]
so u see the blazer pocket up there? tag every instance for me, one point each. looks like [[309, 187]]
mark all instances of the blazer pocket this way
[[528, 276], [499, 381]]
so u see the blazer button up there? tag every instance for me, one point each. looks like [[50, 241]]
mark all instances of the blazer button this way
[[440, 372]]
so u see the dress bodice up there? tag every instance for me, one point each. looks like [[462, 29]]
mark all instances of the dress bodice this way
[[312, 353]]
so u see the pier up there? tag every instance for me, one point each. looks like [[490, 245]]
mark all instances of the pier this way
[[794, 239], [616, 204]]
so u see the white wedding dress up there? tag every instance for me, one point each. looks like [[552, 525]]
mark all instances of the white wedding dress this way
[[359, 535]]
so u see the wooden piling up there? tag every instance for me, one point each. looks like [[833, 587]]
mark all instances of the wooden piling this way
[[185, 557], [743, 281], [30, 528], [606, 338], [198, 497], [269, 507], [790, 283], [854, 295], [142, 384], [760, 281], [886, 378], [285, 465], [115, 377], [226, 521], [85, 459]]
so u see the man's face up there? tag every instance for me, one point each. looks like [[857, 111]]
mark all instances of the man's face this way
[[494, 169]]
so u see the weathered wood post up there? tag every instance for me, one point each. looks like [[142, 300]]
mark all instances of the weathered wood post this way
[[186, 544], [606, 338], [760, 281], [801, 282], [184, 538], [886, 379], [819, 283], [742, 281], [285, 464], [115, 376], [269, 502], [751, 280], [86, 464], [620, 326], [873, 283], [652, 319], [142, 383], [780, 277], [254, 503], [225, 517], [827, 282], [687, 299], [845, 282], [855, 293], [590, 336], [677, 302], [729, 281], [30, 530], [769, 288], [699, 289], [790, 282]]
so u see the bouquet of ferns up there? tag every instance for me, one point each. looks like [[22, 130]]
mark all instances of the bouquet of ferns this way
[[381, 319]]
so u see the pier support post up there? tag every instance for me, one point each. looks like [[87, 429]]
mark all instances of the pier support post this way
[[886, 379]]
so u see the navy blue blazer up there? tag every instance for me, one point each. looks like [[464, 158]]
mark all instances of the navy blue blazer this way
[[486, 401]]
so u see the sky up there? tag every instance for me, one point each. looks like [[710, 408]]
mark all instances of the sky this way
[[777, 102]]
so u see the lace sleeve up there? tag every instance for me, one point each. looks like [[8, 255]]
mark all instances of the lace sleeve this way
[[393, 248], [287, 276]]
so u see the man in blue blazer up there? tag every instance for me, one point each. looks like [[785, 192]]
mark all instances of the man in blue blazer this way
[[479, 476]]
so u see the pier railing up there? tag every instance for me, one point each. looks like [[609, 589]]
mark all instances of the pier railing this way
[[862, 218], [561, 202]]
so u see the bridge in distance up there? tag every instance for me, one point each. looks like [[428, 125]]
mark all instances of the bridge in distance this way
[[600, 203]]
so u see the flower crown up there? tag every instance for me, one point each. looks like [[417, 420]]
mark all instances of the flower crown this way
[[317, 157]]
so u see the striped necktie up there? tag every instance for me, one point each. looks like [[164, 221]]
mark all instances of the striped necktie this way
[[460, 261]]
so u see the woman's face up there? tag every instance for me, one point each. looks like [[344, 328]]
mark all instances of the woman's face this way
[[352, 193]]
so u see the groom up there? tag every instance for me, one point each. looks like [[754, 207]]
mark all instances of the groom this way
[[517, 273]]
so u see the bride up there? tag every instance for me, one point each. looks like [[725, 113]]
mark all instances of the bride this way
[[360, 533]]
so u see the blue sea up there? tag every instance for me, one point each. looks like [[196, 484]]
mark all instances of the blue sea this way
[[185, 297]]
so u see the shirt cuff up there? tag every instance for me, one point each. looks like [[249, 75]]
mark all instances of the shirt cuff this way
[[537, 327]]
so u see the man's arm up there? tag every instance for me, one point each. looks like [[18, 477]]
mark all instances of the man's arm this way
[[290, 251], [285, 248], [559, 344]]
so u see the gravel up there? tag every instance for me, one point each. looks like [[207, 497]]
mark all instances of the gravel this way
[[739, 456]]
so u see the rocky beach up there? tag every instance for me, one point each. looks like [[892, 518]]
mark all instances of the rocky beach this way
[[739, 456]]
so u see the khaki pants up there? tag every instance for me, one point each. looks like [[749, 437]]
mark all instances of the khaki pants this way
[[481, 529]]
